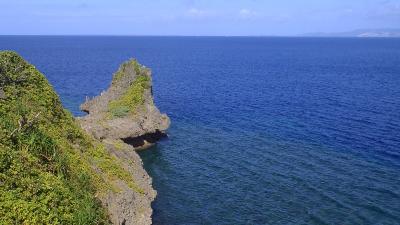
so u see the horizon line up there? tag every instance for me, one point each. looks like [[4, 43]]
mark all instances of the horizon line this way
[[157, 35]]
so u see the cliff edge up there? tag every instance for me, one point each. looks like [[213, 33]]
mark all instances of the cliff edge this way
[[52, 171]]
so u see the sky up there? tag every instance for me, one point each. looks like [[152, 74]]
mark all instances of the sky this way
[[194, 17]]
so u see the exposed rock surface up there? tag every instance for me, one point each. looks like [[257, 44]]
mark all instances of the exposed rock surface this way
[[129, 205], [2, 94], [126, 109], [125, 119]]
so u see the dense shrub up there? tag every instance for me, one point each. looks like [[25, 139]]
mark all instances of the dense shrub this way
[[46, 169]]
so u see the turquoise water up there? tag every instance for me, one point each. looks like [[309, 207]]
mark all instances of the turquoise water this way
[[264, 130]]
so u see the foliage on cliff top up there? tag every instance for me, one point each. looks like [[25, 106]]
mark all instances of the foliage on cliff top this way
[[50, 170], [134, 95], [131, 64]]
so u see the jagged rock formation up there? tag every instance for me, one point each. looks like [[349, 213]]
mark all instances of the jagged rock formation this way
[[126, 114], [126, 110], [52, 171]]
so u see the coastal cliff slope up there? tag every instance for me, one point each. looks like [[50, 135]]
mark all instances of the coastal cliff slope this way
[[51, 170], [126, 114]]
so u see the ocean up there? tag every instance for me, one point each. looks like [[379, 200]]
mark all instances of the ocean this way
[[265, 130]]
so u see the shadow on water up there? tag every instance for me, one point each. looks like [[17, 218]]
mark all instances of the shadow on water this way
[[147, 139]]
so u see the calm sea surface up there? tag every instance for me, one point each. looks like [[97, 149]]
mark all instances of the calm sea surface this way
[[264, 130]]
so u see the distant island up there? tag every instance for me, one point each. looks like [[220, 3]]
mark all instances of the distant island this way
[[359, 33]]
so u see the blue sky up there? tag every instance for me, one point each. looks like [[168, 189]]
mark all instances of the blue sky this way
[[195, 17]]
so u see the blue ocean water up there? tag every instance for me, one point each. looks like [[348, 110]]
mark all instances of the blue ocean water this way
[[264, 130]]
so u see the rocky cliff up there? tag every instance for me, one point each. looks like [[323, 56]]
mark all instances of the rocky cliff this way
[[125, 113], [53, 172], [126, 110]]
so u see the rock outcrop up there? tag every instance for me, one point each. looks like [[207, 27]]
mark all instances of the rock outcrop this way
[[126, 110], [125, 119]]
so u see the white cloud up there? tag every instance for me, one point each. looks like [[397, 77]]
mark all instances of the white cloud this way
[[348, 11], [247, 14], [193, 12]]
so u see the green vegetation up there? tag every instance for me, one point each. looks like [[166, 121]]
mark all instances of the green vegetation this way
[[131, 99], [118, 144], [111, 166], [122, 70], [50, 170]]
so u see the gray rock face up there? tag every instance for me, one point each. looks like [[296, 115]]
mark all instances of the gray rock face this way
[[125, 119], [129, 205], [110, 116], [2, 94]]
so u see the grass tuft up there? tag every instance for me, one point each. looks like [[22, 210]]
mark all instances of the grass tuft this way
[[131, 99]]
